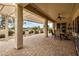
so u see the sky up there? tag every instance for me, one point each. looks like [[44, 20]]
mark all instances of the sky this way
[[0, 20], [31, 24], [34, 24]]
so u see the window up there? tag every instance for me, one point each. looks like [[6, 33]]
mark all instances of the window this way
[[76, 25], [2, 22]]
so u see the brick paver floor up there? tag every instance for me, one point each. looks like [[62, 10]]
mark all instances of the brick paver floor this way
[[38, 45]]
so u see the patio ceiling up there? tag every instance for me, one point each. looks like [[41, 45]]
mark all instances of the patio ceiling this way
[[40, 12], [33, 8], [9, 10], [52, 9]]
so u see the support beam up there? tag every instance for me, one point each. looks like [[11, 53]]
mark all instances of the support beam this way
[[2, 8], [6, 27], [19, 27], [46, 28], [35, 9], [54, 26]]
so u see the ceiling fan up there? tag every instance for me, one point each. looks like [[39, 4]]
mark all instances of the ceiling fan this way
[[60, 17]]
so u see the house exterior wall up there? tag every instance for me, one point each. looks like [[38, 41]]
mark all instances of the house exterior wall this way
[[76, 13]]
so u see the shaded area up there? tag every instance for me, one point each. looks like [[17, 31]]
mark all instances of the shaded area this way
[[39, 45]]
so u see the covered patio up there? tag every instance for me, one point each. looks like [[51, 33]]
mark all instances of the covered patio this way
[[60, 15], [38, 45]]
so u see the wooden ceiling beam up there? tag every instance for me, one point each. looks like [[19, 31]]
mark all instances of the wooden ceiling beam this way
[[2, 8], [8, 5]]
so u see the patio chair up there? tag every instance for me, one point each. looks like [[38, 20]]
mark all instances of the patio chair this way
[[57, 35]]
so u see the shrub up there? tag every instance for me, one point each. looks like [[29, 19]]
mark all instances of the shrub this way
[[36, 32], [41, 31], [31, 31], [2, 36], [23, 32], [50, 30], [10, 33]]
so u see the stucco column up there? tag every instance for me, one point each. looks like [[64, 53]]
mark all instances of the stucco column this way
[[54, 26], [6, 27], [19, 27], [46, 28]]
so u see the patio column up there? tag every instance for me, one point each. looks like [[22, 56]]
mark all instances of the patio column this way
[[19, 27], [55, 27], [46, 28], [53, 24], [6, 27]]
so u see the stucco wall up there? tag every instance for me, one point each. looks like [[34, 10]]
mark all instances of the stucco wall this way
[[74, 16]]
